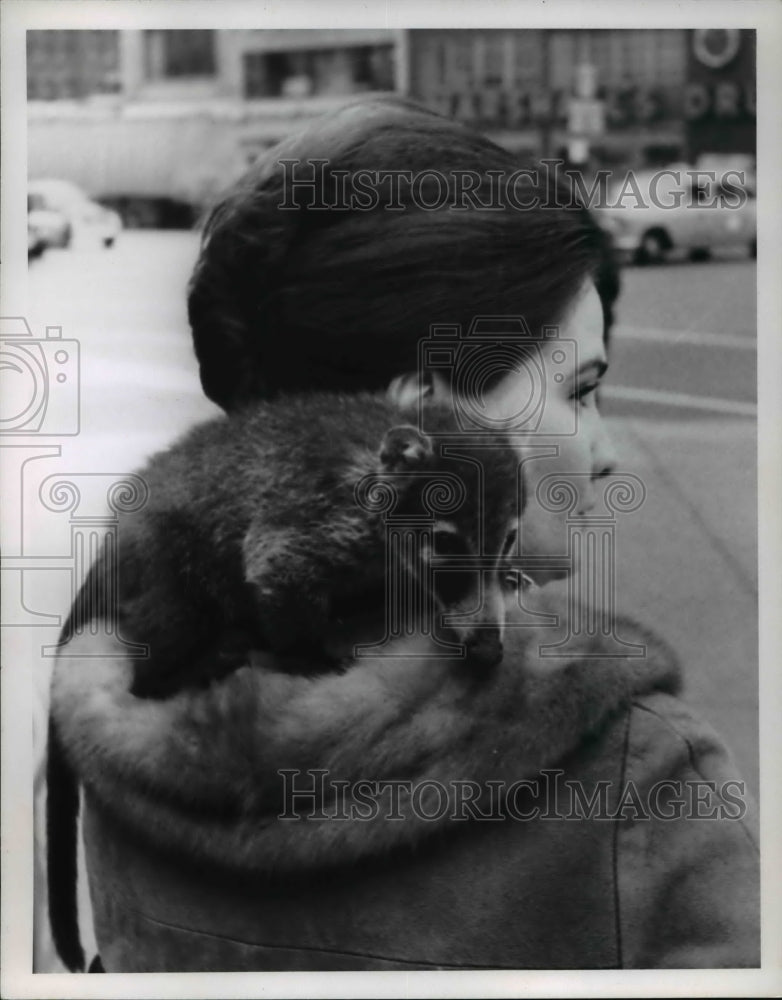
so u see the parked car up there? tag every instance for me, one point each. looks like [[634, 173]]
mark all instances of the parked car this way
[[678, 209], [85, 219], [35, 242], [50, 225]]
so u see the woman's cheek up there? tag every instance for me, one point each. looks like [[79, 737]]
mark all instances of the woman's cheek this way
[[558, 489], [542, 527]]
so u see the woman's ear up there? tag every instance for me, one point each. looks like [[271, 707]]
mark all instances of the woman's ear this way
[[408, 390]]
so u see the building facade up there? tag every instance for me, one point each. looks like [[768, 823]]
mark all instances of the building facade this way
[[179, 113], [630, 97], [143, 115], [192, 64], [720, 93], [72, 65]]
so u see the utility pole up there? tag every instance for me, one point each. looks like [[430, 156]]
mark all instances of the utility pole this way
[[546, 126], [402, 65]]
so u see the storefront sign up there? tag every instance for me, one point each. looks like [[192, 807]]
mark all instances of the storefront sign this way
[[502, 108], [715, 47], [726, 99]]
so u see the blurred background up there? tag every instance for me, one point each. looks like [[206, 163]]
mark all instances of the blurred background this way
[[132, 133], [155, 122]]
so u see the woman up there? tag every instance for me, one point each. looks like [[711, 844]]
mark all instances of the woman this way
[[566, 813]]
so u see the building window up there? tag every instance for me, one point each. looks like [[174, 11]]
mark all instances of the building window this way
[[318, 71], [175, 54], [279, 74], [373, 67], [69, 64]]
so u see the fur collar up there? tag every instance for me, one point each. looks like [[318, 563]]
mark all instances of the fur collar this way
[[198, 773]]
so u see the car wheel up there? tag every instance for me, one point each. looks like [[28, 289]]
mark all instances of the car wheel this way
[[700, 253], [753, 248], [67, 237], [654, 245], [108, 242]]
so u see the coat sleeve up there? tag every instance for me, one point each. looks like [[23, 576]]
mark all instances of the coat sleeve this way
[[687, 857]]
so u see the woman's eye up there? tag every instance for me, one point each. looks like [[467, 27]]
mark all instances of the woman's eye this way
[[584, 392]]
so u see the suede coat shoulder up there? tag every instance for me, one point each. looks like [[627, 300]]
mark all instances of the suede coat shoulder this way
[[564, 812]]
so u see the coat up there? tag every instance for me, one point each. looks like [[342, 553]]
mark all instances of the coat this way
[[555, 814]]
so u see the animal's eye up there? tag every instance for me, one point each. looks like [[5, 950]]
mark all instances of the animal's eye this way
[[446, 543]]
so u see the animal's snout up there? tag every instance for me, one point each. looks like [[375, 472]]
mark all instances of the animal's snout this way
[[484, 647]]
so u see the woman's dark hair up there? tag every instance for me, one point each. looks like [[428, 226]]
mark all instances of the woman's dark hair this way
[[288, 295]]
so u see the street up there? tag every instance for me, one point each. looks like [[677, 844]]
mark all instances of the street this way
[[679, 399], [685, 341], [683, 346]]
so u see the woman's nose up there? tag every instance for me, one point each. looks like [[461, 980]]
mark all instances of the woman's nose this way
[[604, 457]]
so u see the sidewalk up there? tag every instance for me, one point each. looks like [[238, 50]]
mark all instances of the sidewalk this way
[[687, 563]]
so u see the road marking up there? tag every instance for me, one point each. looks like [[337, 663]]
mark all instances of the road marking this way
[[684, 400], [694, 337]]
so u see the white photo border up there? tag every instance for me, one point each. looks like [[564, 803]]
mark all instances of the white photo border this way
[[19, 16]]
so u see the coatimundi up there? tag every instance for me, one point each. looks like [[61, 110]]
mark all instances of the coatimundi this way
[[253, 537]]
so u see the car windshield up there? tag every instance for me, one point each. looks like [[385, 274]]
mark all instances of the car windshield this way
[[677, 184], [627, 188]]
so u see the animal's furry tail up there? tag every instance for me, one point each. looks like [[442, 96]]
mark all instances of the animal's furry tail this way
[[62, 811], [62, 791]]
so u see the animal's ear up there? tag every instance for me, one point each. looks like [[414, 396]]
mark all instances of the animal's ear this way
[[407, 391], [404, 447]]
